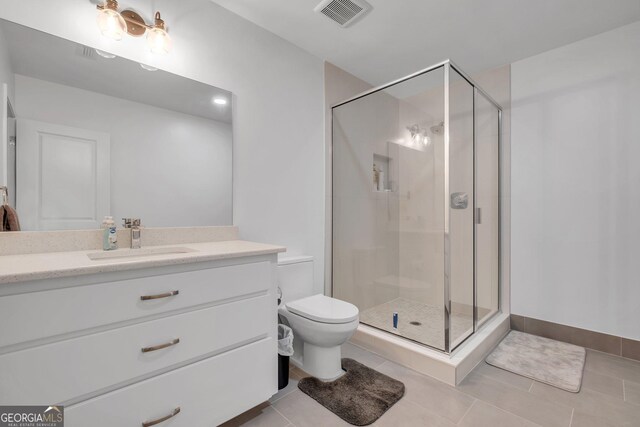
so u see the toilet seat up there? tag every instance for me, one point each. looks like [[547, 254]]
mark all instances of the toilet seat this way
[[324, 309]]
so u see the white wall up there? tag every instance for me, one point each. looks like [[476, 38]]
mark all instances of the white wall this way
[[278, 106], [575, 183], [168, 168]]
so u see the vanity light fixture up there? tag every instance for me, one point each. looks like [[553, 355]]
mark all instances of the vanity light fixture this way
[[114, 24], [157, 37], [220, 101], [110, 22], [419, 134]]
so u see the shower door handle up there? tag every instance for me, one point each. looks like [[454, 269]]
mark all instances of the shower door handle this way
[[478, 215], [459, 200]]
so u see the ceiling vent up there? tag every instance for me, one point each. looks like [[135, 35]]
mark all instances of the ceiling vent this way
[[343, 12]]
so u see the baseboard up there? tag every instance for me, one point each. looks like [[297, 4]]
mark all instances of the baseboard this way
[[606, 343]]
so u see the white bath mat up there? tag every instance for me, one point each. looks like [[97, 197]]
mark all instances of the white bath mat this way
[[548, 361]]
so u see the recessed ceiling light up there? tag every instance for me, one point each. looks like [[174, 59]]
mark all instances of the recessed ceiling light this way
[[220, 101], [105, 54], [148, 67]]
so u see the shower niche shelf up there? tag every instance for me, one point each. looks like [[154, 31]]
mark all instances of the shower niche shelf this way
[[380, 174]]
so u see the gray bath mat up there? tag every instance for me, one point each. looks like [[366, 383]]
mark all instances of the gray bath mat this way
[[359, 397], [548, 361]]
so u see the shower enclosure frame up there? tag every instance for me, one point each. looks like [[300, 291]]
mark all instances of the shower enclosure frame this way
[[447, 66]]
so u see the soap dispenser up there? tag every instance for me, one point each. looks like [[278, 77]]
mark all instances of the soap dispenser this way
[[109, 236]]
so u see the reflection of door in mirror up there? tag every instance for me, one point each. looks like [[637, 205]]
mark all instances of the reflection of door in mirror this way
[[11, 155], [63, 176], [8, 150]]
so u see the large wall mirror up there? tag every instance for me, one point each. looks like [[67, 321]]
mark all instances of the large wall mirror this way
[[86, 134]]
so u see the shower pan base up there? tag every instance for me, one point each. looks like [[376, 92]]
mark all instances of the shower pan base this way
[[419, 322], [448, 368]]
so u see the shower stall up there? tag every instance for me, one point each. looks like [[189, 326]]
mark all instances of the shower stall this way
[[416, 214]]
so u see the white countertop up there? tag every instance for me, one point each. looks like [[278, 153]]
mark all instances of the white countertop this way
[[37, 266]]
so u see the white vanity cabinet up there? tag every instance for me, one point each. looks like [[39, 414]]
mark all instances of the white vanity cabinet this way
[[192, 344]]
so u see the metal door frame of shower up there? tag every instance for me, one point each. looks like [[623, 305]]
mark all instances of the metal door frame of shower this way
[[447, 244], [447, 65]]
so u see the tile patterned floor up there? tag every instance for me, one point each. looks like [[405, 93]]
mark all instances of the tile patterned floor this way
[[488, 397]]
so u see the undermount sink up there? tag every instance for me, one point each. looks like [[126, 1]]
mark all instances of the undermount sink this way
[[138, 253]]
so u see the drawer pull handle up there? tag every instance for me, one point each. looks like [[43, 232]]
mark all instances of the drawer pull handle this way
[[158, 296], [163, 419], [160, 346]]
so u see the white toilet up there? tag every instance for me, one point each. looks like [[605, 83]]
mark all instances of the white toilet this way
[[320, 324]]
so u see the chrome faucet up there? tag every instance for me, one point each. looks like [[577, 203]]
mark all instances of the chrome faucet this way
[[134, 225]]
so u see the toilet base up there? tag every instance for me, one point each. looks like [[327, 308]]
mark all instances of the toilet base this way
[[322, 362]]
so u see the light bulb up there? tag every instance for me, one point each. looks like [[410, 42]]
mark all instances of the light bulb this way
[[111, 24], [157, 37]]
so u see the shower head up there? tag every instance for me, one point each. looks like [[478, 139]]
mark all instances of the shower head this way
[[437, 129]]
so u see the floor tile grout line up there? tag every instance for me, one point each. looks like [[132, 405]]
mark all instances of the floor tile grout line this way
[[467, 411], [531, 386], [591, 390], [628, 359], [573, 411], [282, 415], [515, 388], [284, 395], [508, 412], [601, 374], [487, 375], [602, 393], [424, 408]]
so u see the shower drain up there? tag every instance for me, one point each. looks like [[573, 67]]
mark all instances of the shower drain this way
[[415, 323]]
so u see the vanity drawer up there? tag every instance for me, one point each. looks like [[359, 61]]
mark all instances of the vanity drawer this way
[[49, 313], [208, 392], [72, 368]]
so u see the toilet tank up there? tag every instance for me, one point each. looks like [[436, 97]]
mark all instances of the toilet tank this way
[[295, 277]]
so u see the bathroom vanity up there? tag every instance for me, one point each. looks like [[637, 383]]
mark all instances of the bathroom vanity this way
[[182, 331], [178, 330]]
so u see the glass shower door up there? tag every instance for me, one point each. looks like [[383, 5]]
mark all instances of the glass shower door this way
[[459, 210], [388, 207], [487, 135], [415, 206]]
